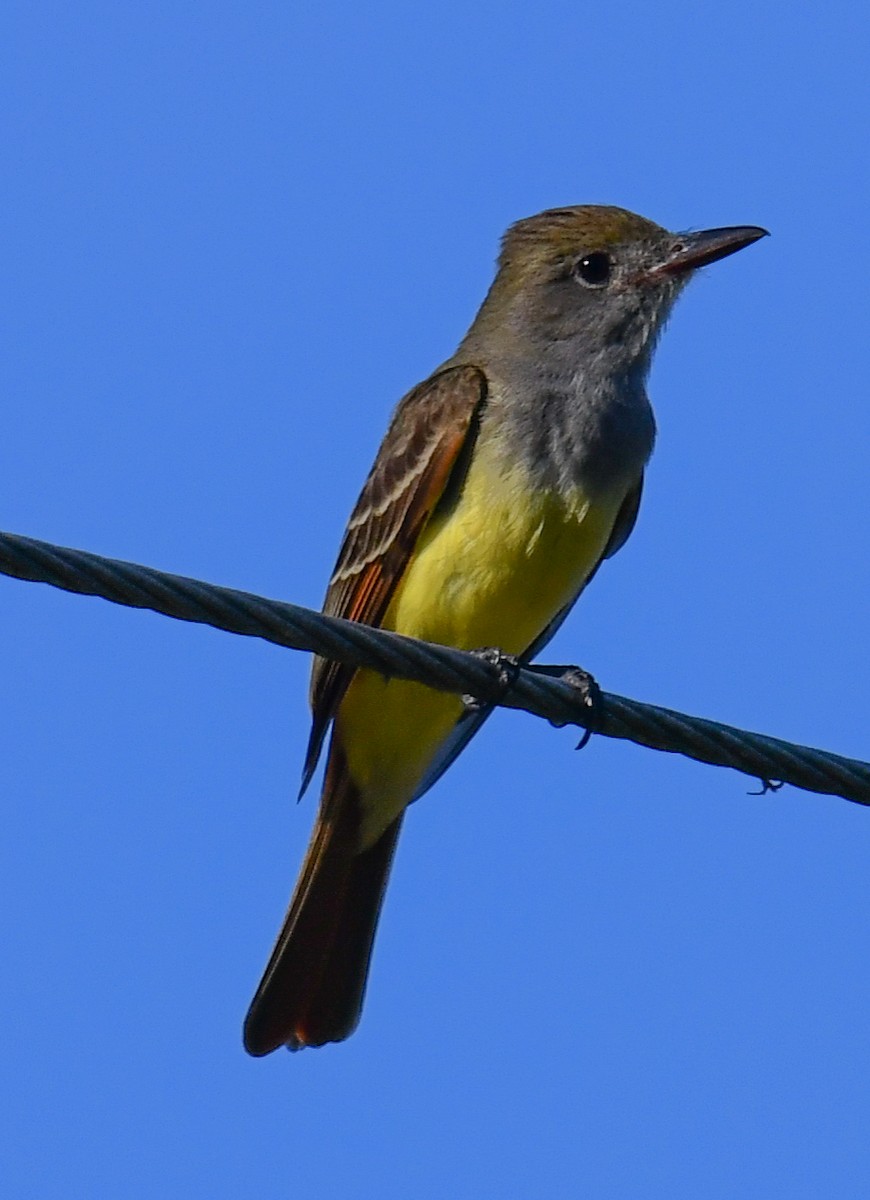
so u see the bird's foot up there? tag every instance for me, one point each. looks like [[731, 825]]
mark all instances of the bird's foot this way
[[588, 693], [508, 666]]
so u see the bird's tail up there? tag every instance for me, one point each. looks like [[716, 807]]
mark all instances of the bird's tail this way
[[312, 989]]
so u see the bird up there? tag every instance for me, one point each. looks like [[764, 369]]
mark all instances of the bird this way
[[503, 482]]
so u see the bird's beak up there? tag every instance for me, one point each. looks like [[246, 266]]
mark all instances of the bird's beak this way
[[692, 250]]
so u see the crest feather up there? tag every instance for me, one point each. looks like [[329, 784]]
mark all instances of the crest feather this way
[[564, 231]]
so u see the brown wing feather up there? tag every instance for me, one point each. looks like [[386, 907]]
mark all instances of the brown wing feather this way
[[427, 433]]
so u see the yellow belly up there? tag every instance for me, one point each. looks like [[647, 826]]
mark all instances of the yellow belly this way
[[492, 571]]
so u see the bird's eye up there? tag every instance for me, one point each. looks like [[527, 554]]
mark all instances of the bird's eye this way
[[594, 269]]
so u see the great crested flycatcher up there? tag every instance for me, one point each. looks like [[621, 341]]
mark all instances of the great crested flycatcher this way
[[504, 480]]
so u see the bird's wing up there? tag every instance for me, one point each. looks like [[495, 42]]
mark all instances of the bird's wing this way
[[471, 720], [427, 445]]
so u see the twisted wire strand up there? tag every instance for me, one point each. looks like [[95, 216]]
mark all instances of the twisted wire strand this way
[[535, 691]]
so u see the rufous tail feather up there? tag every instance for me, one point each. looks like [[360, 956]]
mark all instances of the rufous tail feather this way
[[313, 986]]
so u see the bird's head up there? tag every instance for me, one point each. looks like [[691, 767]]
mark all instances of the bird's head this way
[[595, 281]]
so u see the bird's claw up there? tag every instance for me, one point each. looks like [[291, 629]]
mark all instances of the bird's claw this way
[[768, 785]]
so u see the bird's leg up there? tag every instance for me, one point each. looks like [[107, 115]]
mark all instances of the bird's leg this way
[[509, 666]]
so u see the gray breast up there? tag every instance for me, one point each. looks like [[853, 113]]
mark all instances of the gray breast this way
[[577, 432]]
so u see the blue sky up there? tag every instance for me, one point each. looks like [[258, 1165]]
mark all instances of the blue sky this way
[[234, 236]]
